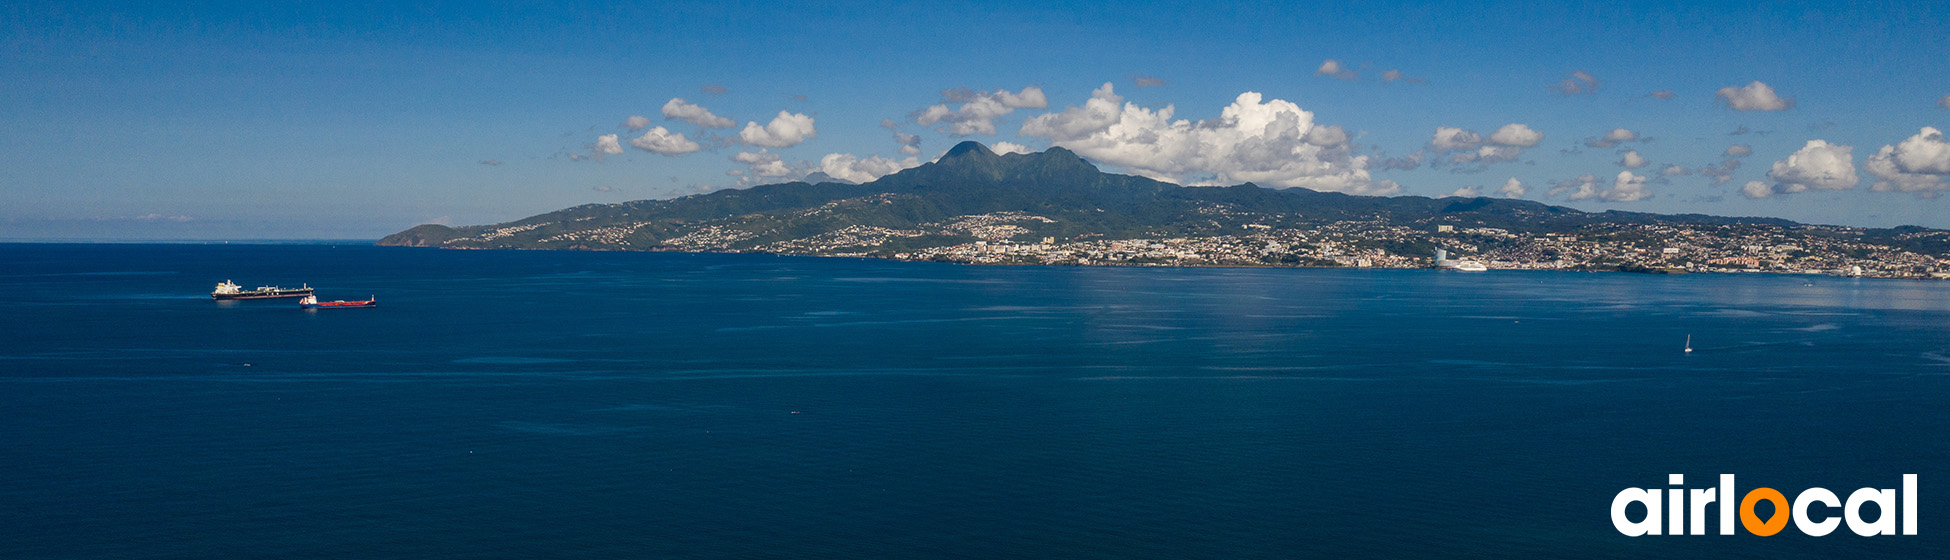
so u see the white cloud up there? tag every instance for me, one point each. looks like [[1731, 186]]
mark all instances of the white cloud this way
[[978, 109], [1757, 189], [1512, 189], [1579, 82], [1466, 146], [663, 141], [1334, 69], [1261, 142], [1612, 138], [1672, 170], [1632, 160], [1754, 97], [1518, 135], [636, 122], [607, 144], [1627, 187], [1738, 150], [1497, 154], [679, 109], [1926, 152], [1919, 164], [848, 167], [1451, 139], [1471, 191], [785, 130], [766, 164], [1010, 148], [1818, 165]]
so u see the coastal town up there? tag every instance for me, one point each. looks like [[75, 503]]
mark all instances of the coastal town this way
[[1664, 249], [1016, 238]]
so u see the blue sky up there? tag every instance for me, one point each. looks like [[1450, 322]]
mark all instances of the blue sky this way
[[318, 120]]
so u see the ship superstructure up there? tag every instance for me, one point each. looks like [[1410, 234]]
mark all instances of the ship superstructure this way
[[229, 290]]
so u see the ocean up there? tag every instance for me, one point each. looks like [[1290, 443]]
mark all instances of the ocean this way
[[513, 404]]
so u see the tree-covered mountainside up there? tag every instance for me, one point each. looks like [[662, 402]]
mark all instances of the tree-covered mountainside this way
[[971, 180], [974, 205]]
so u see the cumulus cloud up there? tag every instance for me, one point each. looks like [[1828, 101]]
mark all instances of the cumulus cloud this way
[[663, 141], [1818, 165], [679, 109], [769, 165], [1334, 69], [978, 109], [1467, 147], [1471, 191], [1612, 138], [1738, 150], [607, 145], [1757, 189], [847, 167], [1919, 164], [1517, 135], [1720, 173], [1452, 139], [1253, 139], [1672, 170], [1327, 136], [910, 143], [1662, 94], [1632, 160], [1407, 162], [1578, 83], [636, 122], [1512, 189], [1010, 148], [785, 130], [1627, 187], [1497, 154], [1148, 81], [1754, 97]]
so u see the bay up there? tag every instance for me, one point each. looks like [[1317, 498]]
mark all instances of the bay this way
[[523, 404]]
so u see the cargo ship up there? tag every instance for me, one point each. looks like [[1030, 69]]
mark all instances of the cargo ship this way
[[311, 302], [227, 290]]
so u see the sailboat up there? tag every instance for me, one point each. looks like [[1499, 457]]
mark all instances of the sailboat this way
[[1689, 344]]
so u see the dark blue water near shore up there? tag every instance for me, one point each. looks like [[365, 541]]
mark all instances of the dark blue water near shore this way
[[601, 405]]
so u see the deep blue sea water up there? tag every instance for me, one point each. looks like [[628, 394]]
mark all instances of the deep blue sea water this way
[[606, 405]]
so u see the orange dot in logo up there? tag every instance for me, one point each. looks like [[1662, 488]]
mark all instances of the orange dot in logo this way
[[1774, 523]]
